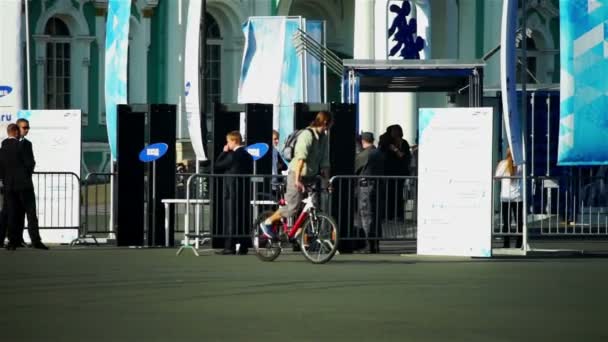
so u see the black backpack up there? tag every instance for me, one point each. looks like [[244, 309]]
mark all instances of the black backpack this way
[[289, 149]]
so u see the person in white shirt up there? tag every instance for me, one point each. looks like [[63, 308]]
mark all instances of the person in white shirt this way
[[510, 197]]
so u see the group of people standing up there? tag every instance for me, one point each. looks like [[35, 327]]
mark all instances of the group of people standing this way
[[392, 157], [17, 165]]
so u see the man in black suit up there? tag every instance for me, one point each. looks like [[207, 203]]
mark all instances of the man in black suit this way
[[13, 171], [235, 160], [29, 197], [4, 208]]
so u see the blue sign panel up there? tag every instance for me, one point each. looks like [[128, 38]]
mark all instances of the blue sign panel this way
[[258, 150], [153, 152]]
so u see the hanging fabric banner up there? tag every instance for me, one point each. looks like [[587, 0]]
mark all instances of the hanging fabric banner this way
[[314, 29], [11, 88], [191, 77], [508, 61], [583, 129], [268, 43], [117, 47], [292, 87]]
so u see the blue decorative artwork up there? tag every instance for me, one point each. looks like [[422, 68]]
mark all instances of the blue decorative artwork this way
[[117, 47], [405, 33], [583, 129]]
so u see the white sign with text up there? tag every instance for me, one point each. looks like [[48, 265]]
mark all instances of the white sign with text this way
[[455, 182], [56, 141]]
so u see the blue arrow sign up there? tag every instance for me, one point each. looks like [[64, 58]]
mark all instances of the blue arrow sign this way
[[153, 152], [258, 150]]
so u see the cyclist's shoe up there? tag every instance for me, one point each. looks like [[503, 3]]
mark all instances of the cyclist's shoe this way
[[267, 230]]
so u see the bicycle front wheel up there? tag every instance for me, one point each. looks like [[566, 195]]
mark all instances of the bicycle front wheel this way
[[319, 238], [265, 249]]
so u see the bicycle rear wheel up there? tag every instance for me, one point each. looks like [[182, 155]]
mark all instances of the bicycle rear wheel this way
[[265, 249], [319, 238]]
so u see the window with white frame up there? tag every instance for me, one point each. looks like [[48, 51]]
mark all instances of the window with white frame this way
[[57, 72]]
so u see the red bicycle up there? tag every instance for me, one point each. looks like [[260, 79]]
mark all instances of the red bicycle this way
[[315, 232]]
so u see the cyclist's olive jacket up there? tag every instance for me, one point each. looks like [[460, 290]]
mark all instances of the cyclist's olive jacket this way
[[313, 149]]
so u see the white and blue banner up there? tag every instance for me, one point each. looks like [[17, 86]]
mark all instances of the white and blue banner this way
[[314, 29], [260, 80], [455, 182], [508, 70], [56, 142], [292, 87], [268, 43], [117, 48], [583, 129], [11, 88], [191, 77]]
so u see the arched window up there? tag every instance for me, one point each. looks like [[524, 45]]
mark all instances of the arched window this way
[[57, 73], [212, 64]]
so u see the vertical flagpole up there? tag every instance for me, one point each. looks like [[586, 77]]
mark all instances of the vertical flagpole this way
[[524, 126], [27, 55]]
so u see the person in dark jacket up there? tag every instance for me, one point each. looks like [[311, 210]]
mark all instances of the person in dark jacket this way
[[369, 162], [16, 170], [29, 204], [235, 160], [397, 163]]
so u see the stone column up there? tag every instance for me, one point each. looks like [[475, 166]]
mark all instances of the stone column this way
[[363, 48]]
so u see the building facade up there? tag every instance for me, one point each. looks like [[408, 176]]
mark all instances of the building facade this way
[[68, 39]]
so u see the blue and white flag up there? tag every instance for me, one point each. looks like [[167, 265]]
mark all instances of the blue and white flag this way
[[272, 69], [508, 79], [117, 48], [191, 77], [583, 129]]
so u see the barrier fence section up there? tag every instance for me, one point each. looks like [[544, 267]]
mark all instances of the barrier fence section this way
[[574, 206], [57, 199], [96, 209], [225, 206], [375, 207]]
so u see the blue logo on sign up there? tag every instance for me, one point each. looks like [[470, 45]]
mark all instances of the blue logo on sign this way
[[153, 152], [188, 88], [258, 150], [5, 90]]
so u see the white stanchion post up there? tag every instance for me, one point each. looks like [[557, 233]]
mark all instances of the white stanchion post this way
[[167, 213], [187, 223], [197, 211]]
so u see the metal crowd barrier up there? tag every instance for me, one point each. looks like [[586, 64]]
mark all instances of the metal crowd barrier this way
[[208, 212], [57, 199], [96, 208], [375, 207], [204, 213], [558, 207]]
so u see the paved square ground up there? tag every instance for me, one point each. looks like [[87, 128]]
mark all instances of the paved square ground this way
[[105, 294]]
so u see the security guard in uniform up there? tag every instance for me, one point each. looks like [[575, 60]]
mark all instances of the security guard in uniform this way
[[369, 162]]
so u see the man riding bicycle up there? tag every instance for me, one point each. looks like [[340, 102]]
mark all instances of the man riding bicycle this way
[[311, 158]]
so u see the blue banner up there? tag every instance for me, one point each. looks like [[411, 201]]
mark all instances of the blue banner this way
[[268, 43], [117, 47], [583, 130], [291, 81]]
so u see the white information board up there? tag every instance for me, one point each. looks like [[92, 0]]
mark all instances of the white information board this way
[[455, 182], [56, 141]]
